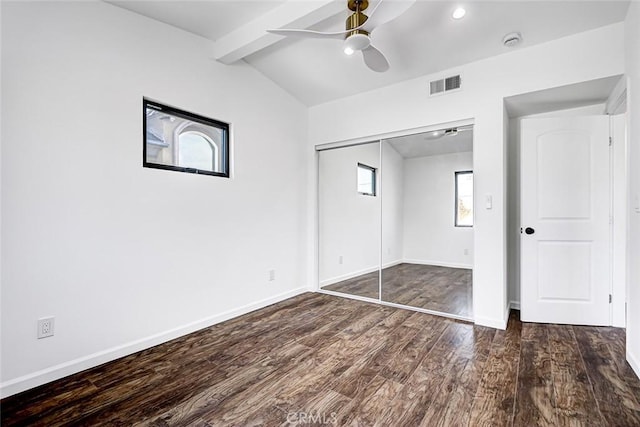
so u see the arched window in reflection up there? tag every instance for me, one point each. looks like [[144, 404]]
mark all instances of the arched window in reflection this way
[[197, 150]]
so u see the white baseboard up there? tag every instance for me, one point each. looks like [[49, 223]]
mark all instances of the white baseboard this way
[[490, 322], [494, 323], [347, 276], [507, 312], [62, 370], [515, 305], [438, 263], [393, 263], [634, 362]]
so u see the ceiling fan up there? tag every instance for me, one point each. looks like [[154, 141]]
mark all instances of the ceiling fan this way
[[437, 134], [357, 35]]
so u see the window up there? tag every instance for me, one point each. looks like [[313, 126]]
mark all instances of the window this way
[[366, 180], [181, 141], [464, 199]]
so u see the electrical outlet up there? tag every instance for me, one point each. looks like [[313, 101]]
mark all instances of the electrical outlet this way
[[45, 327], [466, 251], [272, 275], [340, 259]]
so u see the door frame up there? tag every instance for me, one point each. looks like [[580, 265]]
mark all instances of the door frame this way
[[616, 108]]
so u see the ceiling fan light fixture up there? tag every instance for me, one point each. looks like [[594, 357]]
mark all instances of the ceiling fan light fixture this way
[[435, 134], [459, 13], [358, 26], [356, 42]]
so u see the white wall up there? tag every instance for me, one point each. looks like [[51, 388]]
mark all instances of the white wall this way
[[1, 221], [349, 222], [123, 256], [430, 236], [632, 68], [80, 238], [392, 194], [407, 105]]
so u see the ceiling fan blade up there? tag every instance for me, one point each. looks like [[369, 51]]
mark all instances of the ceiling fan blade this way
[[375, 59], [308, 33], [386, 11]]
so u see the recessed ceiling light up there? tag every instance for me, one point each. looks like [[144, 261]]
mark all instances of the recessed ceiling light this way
[[459, 13]]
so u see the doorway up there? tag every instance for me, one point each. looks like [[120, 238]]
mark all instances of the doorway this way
[[566, 104]]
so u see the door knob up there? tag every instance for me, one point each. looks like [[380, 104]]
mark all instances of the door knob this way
[[529, 230]]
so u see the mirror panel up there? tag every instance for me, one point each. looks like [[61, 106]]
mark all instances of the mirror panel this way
[[349, 220], [427, 256]]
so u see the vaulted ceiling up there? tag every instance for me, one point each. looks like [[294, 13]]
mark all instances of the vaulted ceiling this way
[[424, 40]]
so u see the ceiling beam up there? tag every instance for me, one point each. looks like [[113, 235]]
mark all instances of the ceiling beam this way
[[253, 36]]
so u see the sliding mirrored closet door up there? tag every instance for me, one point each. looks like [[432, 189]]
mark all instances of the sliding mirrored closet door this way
[[427, 221], [349, 220], [396, 221]]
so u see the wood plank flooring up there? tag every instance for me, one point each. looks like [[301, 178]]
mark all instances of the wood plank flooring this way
[[443, 289], [321, 360]]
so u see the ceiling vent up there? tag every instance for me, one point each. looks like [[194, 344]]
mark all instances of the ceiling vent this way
[[512, 39], [438, 87]]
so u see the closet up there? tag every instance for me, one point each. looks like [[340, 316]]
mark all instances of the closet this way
[[395, 221]]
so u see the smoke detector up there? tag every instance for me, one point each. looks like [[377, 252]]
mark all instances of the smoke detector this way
[[512, 39]]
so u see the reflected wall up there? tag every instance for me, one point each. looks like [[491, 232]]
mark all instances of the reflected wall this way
[[349, 219]]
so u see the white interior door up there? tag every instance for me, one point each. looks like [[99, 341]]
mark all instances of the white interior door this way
[[565, 214]]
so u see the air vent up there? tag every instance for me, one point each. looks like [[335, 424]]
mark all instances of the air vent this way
[[445, 85], [451, 83], [437, 86]]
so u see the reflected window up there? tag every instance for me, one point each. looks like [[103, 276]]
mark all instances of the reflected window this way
[[366, 180], [464, 199]]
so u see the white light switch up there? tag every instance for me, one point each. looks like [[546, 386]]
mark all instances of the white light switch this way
[[636, 203], [488, 201]]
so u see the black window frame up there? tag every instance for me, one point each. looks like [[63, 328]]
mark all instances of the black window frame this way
[[225, 143], [374, 186], [455, 211]]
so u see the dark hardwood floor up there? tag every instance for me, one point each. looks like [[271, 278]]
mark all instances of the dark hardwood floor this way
[[444, 289], [321, 360], [365, 285]]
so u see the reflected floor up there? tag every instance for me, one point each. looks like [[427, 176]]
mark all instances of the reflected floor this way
[[365, 285], [444, 289]]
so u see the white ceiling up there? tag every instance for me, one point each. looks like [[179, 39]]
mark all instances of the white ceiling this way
[[423, 41], [210, 19], [423, 144], [562, 98]]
